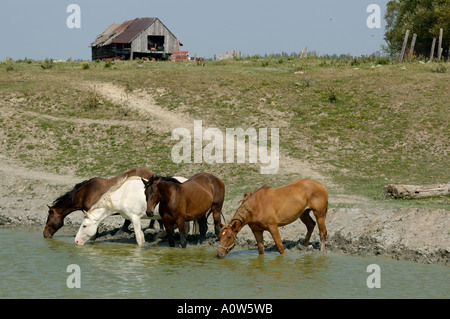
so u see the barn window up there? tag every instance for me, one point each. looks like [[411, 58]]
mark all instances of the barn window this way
[[156, 43]]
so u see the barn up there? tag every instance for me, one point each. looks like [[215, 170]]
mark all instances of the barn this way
[[138, 38]]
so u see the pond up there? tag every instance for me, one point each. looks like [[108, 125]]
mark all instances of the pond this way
[[34, 267]]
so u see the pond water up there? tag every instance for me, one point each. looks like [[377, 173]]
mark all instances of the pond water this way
[[34, 267]]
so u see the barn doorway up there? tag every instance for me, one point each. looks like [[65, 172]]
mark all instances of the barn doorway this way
[[155, 43]]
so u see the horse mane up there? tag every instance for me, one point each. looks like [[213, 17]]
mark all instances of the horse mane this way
[[153, 179], [71, 194], [247, 195], [105, 198], [245, 208]]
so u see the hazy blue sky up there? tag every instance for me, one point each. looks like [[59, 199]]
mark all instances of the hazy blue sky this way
[[36, 29]]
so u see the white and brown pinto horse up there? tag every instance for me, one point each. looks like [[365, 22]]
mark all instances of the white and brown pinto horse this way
[[268, 208], [83, 196], [126, 198]]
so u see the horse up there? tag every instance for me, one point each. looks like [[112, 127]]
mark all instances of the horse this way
[[126, 198], [267, 208], [82, 197], [188, 201]]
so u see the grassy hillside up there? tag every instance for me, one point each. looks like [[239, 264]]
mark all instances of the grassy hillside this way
[[361, 124]]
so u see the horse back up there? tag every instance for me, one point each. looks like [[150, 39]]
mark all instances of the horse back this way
[[314, 193], [203, 190], [286, 203], [208, 183], [92, 191]]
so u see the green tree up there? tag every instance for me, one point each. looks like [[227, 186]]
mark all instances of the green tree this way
[[423, 17]]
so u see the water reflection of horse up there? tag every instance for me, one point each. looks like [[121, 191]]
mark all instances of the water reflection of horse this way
[[267, 208], [191, 200], [83, 196], [126, 198]]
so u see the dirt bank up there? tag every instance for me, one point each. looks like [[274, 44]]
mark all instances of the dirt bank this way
[[421, 235]]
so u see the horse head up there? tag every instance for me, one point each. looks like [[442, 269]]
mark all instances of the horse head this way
[[87, 230], [152, 195], [227, 238], [55, 221]]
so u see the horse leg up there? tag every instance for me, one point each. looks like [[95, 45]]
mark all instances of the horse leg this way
[[182, 230], [203, 227], [259, 240], [140, 238], [310, 223], [124, 227], [277, 238], [322, 231], [216, 209], [169, 229]]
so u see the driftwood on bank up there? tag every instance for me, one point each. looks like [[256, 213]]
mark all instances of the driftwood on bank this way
[[415, 191]]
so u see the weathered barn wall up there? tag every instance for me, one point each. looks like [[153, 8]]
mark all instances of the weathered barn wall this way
[[140, 44]]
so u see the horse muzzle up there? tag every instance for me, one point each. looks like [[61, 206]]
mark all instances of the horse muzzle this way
[[221, 254], [149, 214], [222, 251]]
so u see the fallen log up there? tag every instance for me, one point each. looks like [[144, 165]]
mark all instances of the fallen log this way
[[415, 191]]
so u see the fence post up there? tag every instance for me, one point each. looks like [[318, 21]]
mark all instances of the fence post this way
[[432, 49], [405, 41], [413, 43], [302, 54], [439, 49]]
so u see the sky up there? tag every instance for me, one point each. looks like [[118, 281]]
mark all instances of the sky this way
[[38, 29]]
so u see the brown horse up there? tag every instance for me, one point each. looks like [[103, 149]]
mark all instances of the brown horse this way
[[180, 202], [83, 196], [267, 208]]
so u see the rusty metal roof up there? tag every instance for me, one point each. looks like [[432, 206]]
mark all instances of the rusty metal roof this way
[[122, 32]]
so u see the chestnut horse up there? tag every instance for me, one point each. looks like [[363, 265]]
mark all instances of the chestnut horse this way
[[267, 208], [83, 196], [180, 202]]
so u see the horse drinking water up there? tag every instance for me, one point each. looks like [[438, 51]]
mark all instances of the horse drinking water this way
[[185, 202], [126, 198], [267, 208], [83, 196]]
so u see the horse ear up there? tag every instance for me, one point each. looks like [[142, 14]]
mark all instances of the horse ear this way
[[144, 180], [233, 224]]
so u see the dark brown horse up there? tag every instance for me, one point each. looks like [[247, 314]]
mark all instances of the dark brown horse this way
[[180, 202], [83, 196], [267, 208]]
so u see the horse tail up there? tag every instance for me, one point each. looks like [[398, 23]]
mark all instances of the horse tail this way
[[222, 216]]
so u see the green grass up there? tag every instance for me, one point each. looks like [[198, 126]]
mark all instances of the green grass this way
[[363, 124]]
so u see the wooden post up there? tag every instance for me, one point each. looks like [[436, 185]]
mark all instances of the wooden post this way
[[405, 41], [441, 32], [303, 52], [413, 43], [432, 49], [415, 191]]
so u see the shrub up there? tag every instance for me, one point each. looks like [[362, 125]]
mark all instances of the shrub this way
[[440, 68], [48, 64]]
